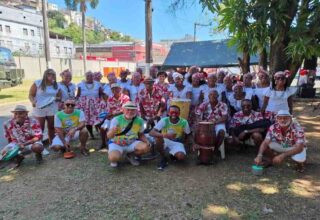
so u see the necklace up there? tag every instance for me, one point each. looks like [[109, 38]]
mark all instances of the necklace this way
[[89, 87]]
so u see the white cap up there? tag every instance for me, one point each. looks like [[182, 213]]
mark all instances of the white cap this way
[[283, 113]]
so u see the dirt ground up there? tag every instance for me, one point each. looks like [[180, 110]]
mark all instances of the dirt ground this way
[[87, 188]]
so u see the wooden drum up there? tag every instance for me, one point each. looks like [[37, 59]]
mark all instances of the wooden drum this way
[[205, 137]]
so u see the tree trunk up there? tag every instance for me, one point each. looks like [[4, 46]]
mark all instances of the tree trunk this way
[[310, 64], [84, 41], [244, 63], [263, 59]]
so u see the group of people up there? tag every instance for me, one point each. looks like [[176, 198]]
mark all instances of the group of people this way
[[131, 115]]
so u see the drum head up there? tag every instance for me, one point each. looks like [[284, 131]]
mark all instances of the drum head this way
[[206, 122], [180, 100]]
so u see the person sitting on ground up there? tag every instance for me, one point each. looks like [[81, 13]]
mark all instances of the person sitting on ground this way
[[126, 136], [169, 135], [284, 139], [70, 125], [247, 124], [215, 112], [114, 108], [24, 132]]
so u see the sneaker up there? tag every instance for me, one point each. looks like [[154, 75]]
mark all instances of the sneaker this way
[[132, 160], [114, 164], [163, 163]]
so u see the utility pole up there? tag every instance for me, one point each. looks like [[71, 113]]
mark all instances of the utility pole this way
[[195, 29], [46, 34], [148, 14], [84, 41]]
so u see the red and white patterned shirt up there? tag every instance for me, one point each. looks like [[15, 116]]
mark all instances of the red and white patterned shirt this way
[[240, 119], [294, 135], [150, 103], [164, 88], [208, 113], [114, 106], [21, 134]]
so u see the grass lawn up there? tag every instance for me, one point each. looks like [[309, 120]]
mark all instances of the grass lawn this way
[[87, 188], [21, 92]]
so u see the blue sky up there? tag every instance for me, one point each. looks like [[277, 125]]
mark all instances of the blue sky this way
[[127, 16]]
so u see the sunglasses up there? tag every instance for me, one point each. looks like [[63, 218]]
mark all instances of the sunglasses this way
[[70, 105], [280, 78]]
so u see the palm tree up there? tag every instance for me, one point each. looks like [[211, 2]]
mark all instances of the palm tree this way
[[73, 5]]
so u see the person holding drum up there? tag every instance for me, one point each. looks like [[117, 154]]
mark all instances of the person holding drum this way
[[215, 112], [135, 87], [126, 136], [23, 133], [43, 95], [89, 96], [70, 125], [248, 124], [67, 88], [114, 108], [169, 134], [284, 139], [151, 103]]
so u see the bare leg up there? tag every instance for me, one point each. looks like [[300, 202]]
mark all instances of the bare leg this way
[[50, 120], [89, 128], [83, 136]]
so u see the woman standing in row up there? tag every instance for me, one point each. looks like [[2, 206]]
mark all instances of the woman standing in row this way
[[89, 94], [68, 89], [44, 95]]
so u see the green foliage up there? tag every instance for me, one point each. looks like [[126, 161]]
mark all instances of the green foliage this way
[[56, 19]]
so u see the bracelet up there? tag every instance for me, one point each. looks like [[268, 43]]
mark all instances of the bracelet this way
[[260, 155]]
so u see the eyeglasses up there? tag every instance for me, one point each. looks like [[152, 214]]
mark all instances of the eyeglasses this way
[[280, 78], [70, 105]]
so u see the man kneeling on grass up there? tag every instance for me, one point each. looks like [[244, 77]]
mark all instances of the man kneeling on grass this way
[[23, 132], [169, 134], [126, 136], [70, 125], [284, 139]]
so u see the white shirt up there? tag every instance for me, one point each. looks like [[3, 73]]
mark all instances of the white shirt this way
[[68, 91], [43, 95], [89, 90], [134, 90], [196, 94], [181, 94], [278, 100], [208, 89], [249, 92], [260, 93]]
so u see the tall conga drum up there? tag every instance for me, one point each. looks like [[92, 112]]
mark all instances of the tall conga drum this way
[[184, 105], [205, 137]]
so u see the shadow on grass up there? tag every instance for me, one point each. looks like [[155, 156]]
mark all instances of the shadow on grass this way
[[5, 96]]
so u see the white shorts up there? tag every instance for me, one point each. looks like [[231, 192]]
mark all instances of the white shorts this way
[[300, 157], [127, 149], [173, 146], [57, 141], [27, 147], [51, 110], [106, 124], [219, 127]]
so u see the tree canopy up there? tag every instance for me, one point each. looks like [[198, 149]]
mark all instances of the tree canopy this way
[[287, 32]]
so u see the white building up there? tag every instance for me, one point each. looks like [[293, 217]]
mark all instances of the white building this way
[[52, 7], [22, 31]]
